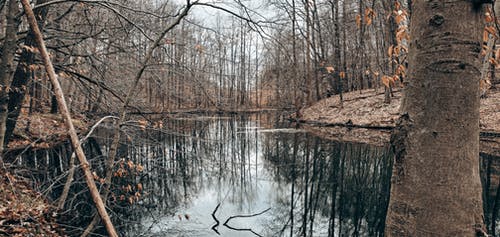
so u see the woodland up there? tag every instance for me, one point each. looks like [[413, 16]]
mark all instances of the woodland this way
[[90, 90]]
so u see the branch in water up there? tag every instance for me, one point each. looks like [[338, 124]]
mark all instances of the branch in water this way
[[214, 227], [244, 216]]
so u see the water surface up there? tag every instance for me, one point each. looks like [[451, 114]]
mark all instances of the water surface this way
[[273, 182], [261, 176]]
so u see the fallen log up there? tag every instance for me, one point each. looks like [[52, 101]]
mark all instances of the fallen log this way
[[349, 124]]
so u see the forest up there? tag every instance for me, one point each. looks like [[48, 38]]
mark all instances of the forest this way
[[249, 118]]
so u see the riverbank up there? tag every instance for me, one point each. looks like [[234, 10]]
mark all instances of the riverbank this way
[[365, 118], [43, 130], [24, 211]]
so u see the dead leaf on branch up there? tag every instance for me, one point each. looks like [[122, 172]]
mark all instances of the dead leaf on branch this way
[[387, 80], [329, 69], [358, 21]]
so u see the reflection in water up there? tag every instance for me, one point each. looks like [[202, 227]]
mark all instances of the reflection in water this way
[[313, 187]]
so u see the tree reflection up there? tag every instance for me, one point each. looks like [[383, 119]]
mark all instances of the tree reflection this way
[[337, 189], [313, 186]]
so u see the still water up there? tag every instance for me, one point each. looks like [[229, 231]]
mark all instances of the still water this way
[[231, 176], [243, 176]]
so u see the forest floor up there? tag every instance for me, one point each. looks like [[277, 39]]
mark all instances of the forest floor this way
[[24, 212], [43, 130], [365, 118]]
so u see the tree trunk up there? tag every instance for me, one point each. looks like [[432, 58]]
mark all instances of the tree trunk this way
[[495, 81], [344, 48], [391, 36], [297, 96], [436, 189], [307, 44], [336, 49], [361, 54], [23, 73], [6, 66]]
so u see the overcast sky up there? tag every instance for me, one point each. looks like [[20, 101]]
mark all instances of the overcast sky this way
[[208, 15]]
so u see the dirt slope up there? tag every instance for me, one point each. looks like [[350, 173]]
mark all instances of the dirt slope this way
[[367, 108]]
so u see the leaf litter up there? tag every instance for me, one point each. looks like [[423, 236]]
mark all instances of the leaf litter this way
[[367, 108]]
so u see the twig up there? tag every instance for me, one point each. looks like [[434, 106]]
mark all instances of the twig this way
[[214, 227], [244, 216], [71, 172]]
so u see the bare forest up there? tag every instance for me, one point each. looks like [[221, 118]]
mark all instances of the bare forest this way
[[249, 118]]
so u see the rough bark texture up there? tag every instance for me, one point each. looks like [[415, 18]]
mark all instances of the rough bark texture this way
[[6, 65], [436, 189]]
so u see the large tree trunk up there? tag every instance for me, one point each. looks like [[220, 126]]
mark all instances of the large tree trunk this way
[[436, 190], [495, 79]]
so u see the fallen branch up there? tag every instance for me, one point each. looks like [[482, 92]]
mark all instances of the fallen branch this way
[[244, 216], [214, 227], [489, 134], [349, 124], [71, 173], [89, 178], [205, 111]]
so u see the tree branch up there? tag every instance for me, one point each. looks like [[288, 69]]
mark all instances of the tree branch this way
[[67, 119], [244, 216], [217, 222]]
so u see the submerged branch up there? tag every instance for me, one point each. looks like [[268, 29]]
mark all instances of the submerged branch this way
[[217, 222], [348, 124], [244, 216]]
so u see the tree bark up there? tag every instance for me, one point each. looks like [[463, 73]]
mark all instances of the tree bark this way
[[6, 66], [436, 189], [391, 36], [336, 49], [89, 178], [23, 73], [307, 44]]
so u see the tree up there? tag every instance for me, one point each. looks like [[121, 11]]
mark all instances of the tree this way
[[6, 66], [23, 73], [436, 190]]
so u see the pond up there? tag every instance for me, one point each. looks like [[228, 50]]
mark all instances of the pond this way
[[231, 176], [238, 177]]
